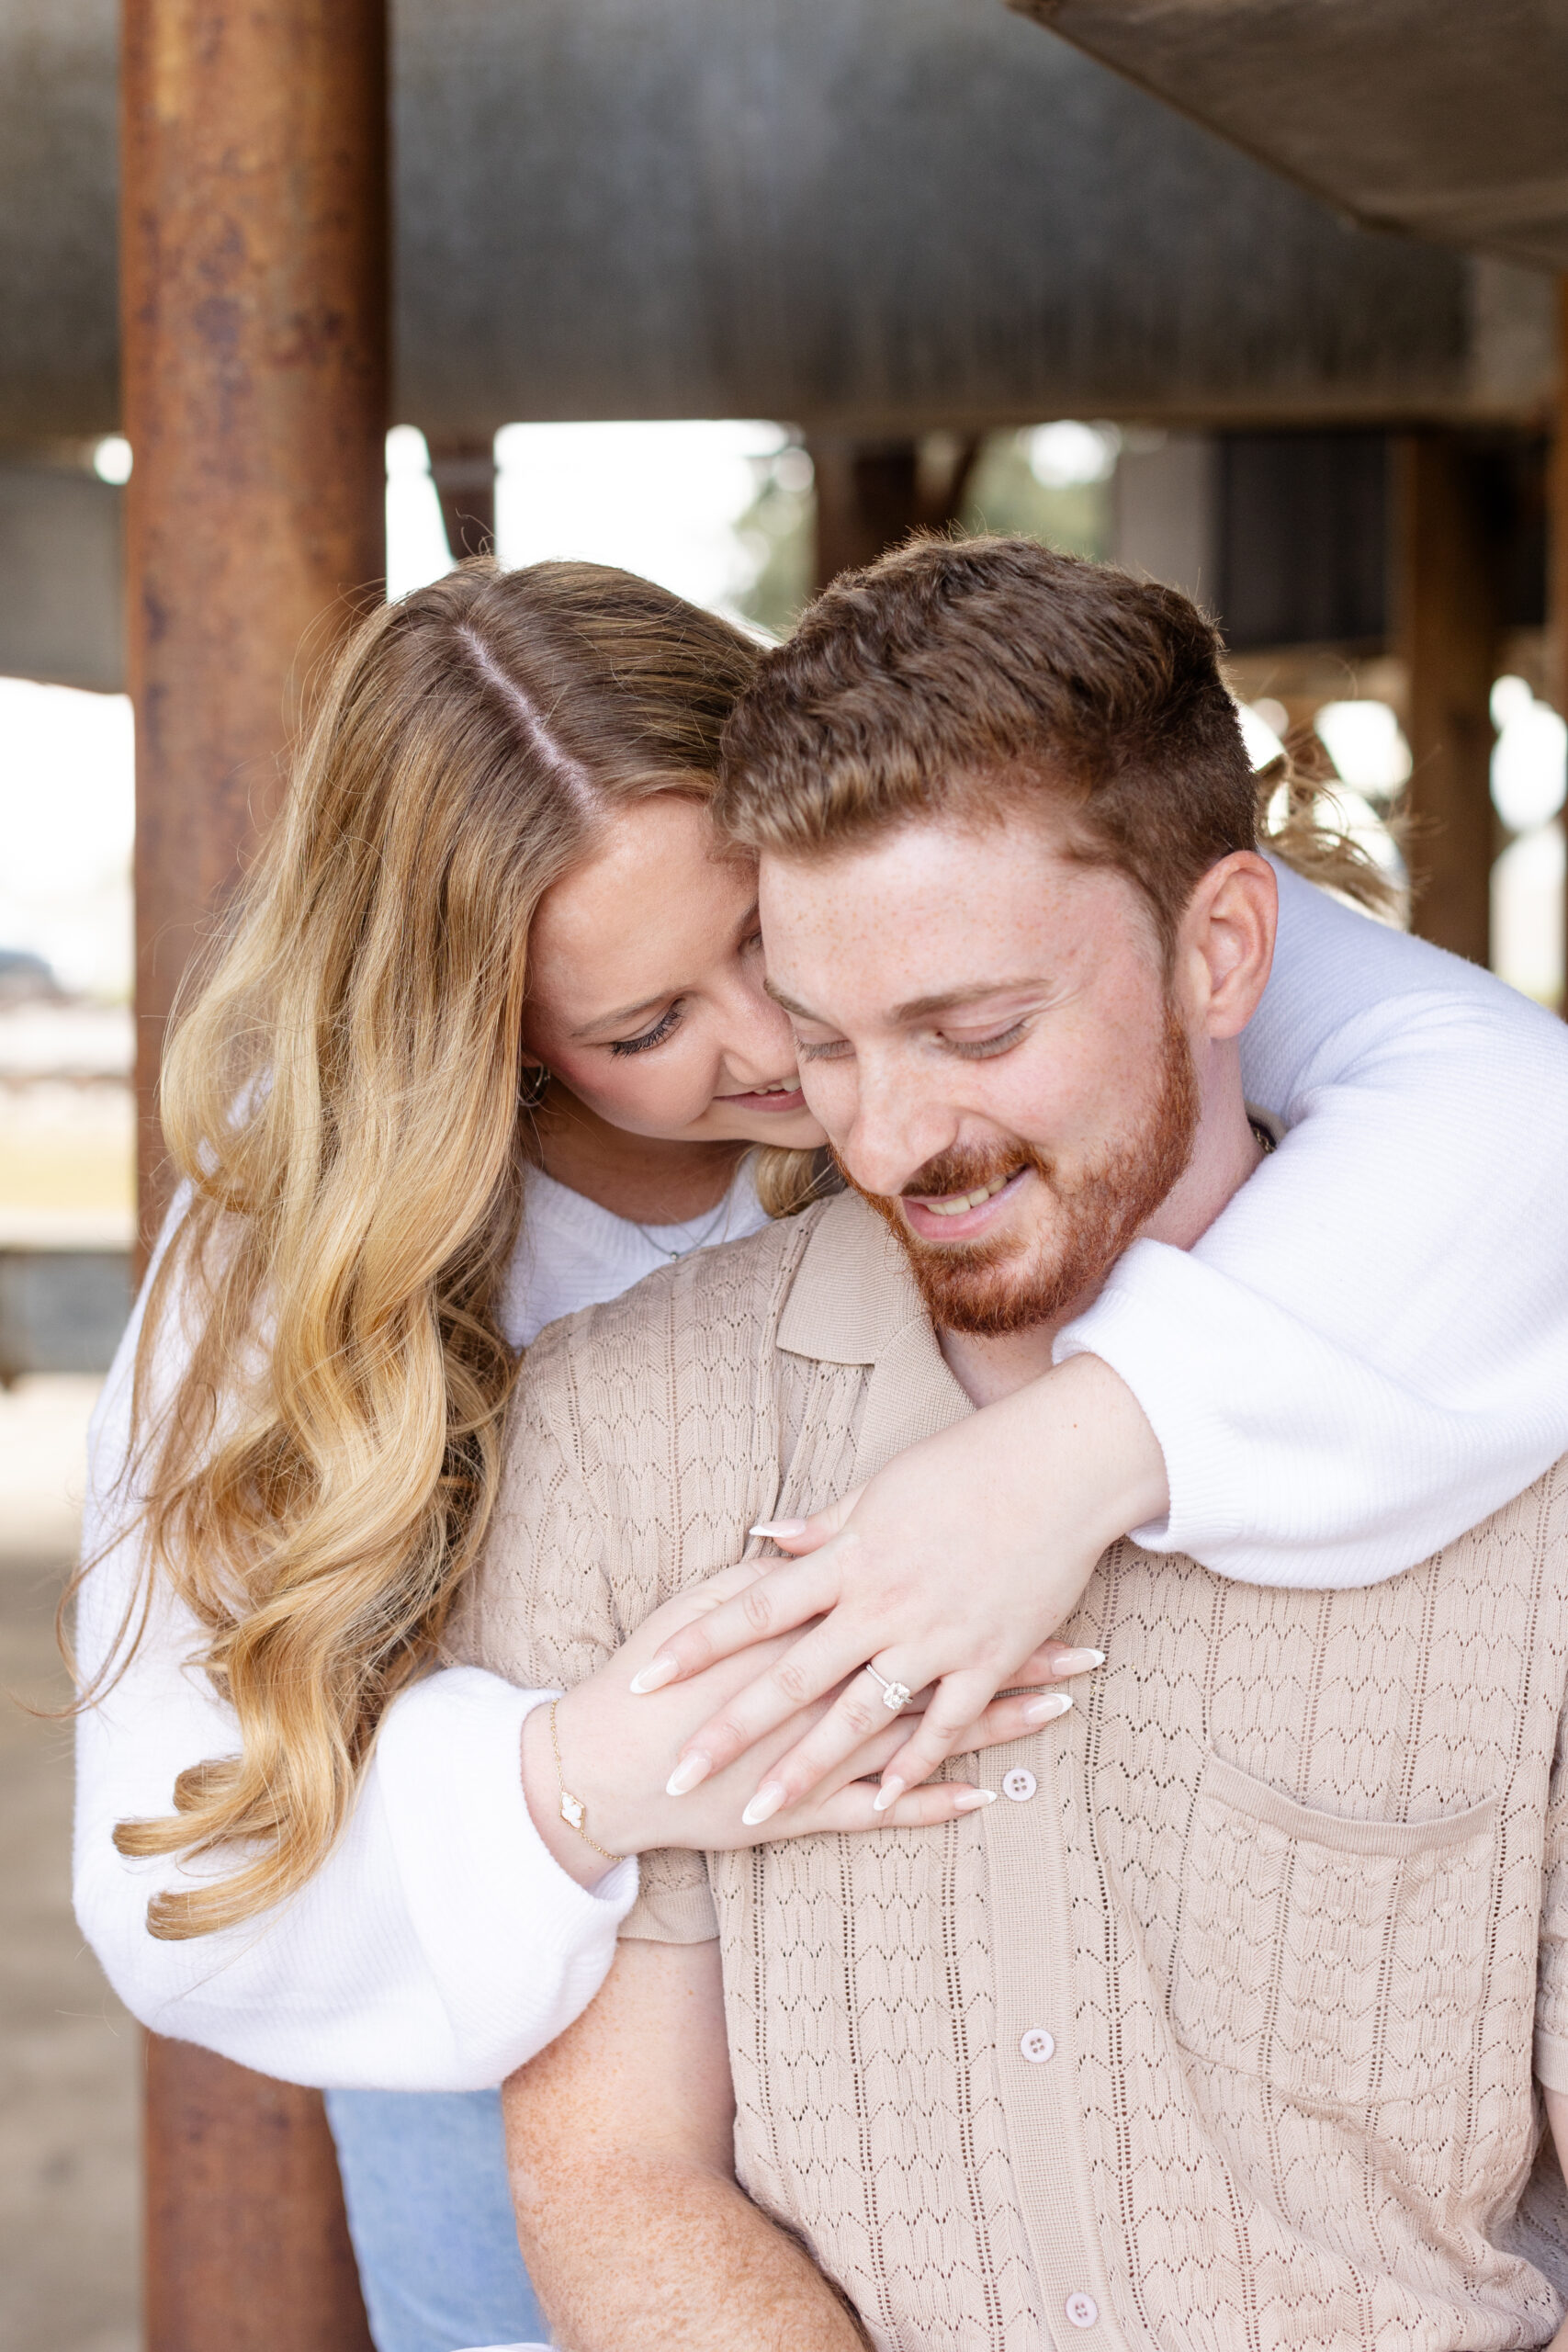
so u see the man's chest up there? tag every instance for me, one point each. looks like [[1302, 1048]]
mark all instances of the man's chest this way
[[1234, 1921]]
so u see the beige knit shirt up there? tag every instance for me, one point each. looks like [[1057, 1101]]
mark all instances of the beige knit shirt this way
[[1218, 2031]]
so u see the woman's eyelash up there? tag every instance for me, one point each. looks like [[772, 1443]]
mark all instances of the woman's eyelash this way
[[654, 1036]]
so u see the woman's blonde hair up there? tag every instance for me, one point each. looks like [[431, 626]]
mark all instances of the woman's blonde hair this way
[[344, 1096]]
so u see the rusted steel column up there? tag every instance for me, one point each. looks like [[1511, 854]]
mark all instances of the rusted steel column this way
[[1557, 542], [1448, 632], [870, 495], [867, 499], [253, 287], [248, 2251], [464, 474], [1557, 549]]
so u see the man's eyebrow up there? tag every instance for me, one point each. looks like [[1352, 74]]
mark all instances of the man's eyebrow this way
[[801, 1011], [920, 1008]]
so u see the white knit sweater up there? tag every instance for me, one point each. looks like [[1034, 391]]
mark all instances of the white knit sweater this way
[[1349, 1401]]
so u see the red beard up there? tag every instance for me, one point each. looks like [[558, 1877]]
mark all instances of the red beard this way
[[991, 1288]]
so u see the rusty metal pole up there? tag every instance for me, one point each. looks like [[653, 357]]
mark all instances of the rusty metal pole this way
[[464, 474], [867, 499], [253, 287], [254, 261], [1448, 632], [1557, 545], [872, 494]]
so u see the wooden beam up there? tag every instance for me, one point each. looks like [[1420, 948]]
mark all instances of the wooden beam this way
[[254, 289], [1449, 629]]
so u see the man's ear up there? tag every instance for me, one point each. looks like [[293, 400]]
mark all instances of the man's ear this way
[[1225, 948]]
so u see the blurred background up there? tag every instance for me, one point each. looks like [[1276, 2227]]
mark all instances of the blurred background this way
[[734, 298]]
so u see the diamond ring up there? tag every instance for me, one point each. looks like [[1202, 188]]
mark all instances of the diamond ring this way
[[896, 1696]]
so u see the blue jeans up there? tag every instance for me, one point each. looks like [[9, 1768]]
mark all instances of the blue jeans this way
[[430, 2214]]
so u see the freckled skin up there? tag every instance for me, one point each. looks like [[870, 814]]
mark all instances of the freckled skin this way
[[1062, 953], [619, 2140]]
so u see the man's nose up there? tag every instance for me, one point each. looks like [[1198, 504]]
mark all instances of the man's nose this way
[[894, 1132]]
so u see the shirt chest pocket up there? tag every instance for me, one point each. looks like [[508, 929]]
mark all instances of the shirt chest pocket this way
[[1341, 1961]]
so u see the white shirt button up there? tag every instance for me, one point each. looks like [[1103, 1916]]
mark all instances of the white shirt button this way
[[1020, 1784], [1082, 2310], [1037, 2045]]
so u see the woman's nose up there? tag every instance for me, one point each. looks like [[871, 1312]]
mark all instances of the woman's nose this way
[[759, 1044]]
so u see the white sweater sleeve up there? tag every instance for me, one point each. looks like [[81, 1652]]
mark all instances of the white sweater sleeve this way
[[1368, 1352], [437, 1948]]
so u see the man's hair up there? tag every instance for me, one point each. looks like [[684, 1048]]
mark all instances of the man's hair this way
[[980, 677]]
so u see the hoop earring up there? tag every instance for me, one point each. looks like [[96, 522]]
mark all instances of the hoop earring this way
[[533, 1085]]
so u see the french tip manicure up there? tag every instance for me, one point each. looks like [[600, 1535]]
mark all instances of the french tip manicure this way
[[1079, 1661], [689, 1774], [970, 1800], [776, 1528], [764, 1805], [888, 1793], [654, 1676], [1047, 1710]]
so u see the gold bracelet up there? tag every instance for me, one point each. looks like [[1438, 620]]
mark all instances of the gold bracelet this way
[[573, 1812]]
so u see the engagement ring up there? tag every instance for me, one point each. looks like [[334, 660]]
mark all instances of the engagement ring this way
[[896, 1696]]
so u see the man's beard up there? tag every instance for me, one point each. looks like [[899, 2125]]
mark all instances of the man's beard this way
[[992, 1288]]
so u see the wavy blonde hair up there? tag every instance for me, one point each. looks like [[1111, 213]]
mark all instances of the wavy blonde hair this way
[[344, 1095]]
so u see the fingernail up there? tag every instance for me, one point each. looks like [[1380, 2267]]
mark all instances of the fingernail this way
[[764, 1805], [688, 1774], [778, 1529], [1047, 1710], [656, 1674], [892, 1789], [1071, 1662], [970, 1800]]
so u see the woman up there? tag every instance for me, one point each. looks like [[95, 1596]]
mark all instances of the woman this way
[[484, 1041]]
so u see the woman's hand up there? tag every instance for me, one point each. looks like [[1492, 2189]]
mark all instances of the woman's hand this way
[[949, 1568], [618, 1755]]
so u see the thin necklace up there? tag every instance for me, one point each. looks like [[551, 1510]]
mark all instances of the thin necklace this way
[[717, 1228]]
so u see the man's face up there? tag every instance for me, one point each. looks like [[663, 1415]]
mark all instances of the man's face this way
[[985, 1033]]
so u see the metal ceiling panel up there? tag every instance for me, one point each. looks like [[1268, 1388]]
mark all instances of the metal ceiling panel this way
[[1445, 119], [850, 214]]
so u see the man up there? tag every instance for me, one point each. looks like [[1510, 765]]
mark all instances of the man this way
[[1222, 2028]]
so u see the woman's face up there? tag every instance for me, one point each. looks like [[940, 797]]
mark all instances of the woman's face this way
[[646, 987]]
